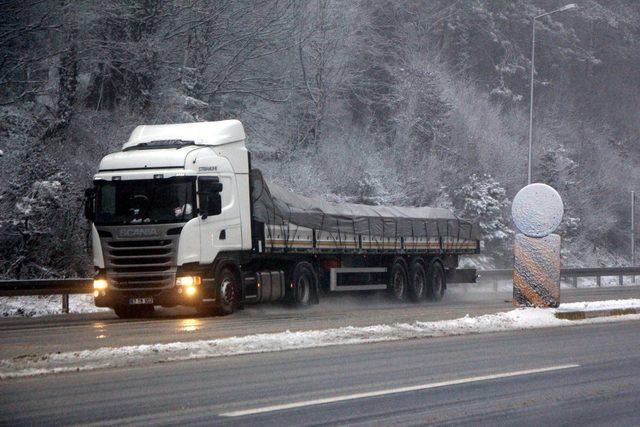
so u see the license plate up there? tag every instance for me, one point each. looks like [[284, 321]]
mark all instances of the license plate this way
[[139, 301]]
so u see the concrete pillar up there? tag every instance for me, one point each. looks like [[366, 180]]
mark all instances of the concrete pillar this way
[[536, 273]]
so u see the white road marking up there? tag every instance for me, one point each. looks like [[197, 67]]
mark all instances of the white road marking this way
[[342, 398]]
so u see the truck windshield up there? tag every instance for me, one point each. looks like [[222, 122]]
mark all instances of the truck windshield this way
[[149, 201]]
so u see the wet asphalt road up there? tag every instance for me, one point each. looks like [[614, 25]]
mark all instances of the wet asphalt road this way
[[593, 379], [29, 336]]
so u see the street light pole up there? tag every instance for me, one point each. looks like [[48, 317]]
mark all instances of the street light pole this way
[[633, 231], [533, 56], [633, 228]]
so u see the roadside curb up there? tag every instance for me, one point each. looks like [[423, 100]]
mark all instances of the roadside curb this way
[[589, 314]]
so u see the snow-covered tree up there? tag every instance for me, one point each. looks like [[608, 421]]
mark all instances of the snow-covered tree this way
[[483, 199], [374, 101]]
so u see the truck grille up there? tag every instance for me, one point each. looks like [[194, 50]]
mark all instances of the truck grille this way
[[141, 264]]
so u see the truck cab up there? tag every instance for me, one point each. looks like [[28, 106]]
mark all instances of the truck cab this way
[[173, 199]]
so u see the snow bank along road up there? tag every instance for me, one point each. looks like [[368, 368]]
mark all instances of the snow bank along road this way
[[65, 333], [111, 357], [588, 374], [36, 363]]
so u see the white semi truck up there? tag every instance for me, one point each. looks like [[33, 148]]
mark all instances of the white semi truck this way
[[178, 217]]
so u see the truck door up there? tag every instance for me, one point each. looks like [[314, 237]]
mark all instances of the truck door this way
[[220, 231]]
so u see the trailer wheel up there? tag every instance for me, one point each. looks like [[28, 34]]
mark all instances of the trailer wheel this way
[[303, 284], [436, 281], [398, 280], [133, 312], [417, 280]]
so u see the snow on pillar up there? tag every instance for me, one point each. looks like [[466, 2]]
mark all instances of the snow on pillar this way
[[537, 211]]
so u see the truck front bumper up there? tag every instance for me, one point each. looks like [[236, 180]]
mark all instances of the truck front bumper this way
[[201, 293], [169, 297]]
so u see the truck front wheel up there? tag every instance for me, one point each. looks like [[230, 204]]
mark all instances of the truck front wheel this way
[[227, 292]]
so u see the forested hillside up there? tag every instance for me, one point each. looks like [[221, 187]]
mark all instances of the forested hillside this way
[[408, 102]]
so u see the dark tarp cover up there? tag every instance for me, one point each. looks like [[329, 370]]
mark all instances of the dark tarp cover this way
[[273, 204]]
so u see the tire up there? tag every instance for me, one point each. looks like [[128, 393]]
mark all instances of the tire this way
[[227, 292], [122, 311], [133, 312], [206, 310], [304, 281], [398, 280], [436, 281], [417, 281]]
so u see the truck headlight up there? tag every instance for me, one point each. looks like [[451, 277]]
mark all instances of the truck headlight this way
[[188, 281], [100, 284]]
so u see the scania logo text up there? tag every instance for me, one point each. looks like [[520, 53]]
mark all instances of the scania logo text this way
[[138, 232]]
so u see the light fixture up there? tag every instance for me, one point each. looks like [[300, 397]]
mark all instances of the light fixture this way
[[100, 284], [568, 7], [188, 281]]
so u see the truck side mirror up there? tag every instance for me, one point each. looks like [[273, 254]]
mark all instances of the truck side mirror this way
[[89, 204]]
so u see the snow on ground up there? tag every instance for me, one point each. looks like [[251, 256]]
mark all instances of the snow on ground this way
[[526, 318], [600, 305], [31, 306], [486, 286]]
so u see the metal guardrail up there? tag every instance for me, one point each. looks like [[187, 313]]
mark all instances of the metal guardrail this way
[[10, 288], [66, 287], [569, 273]]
